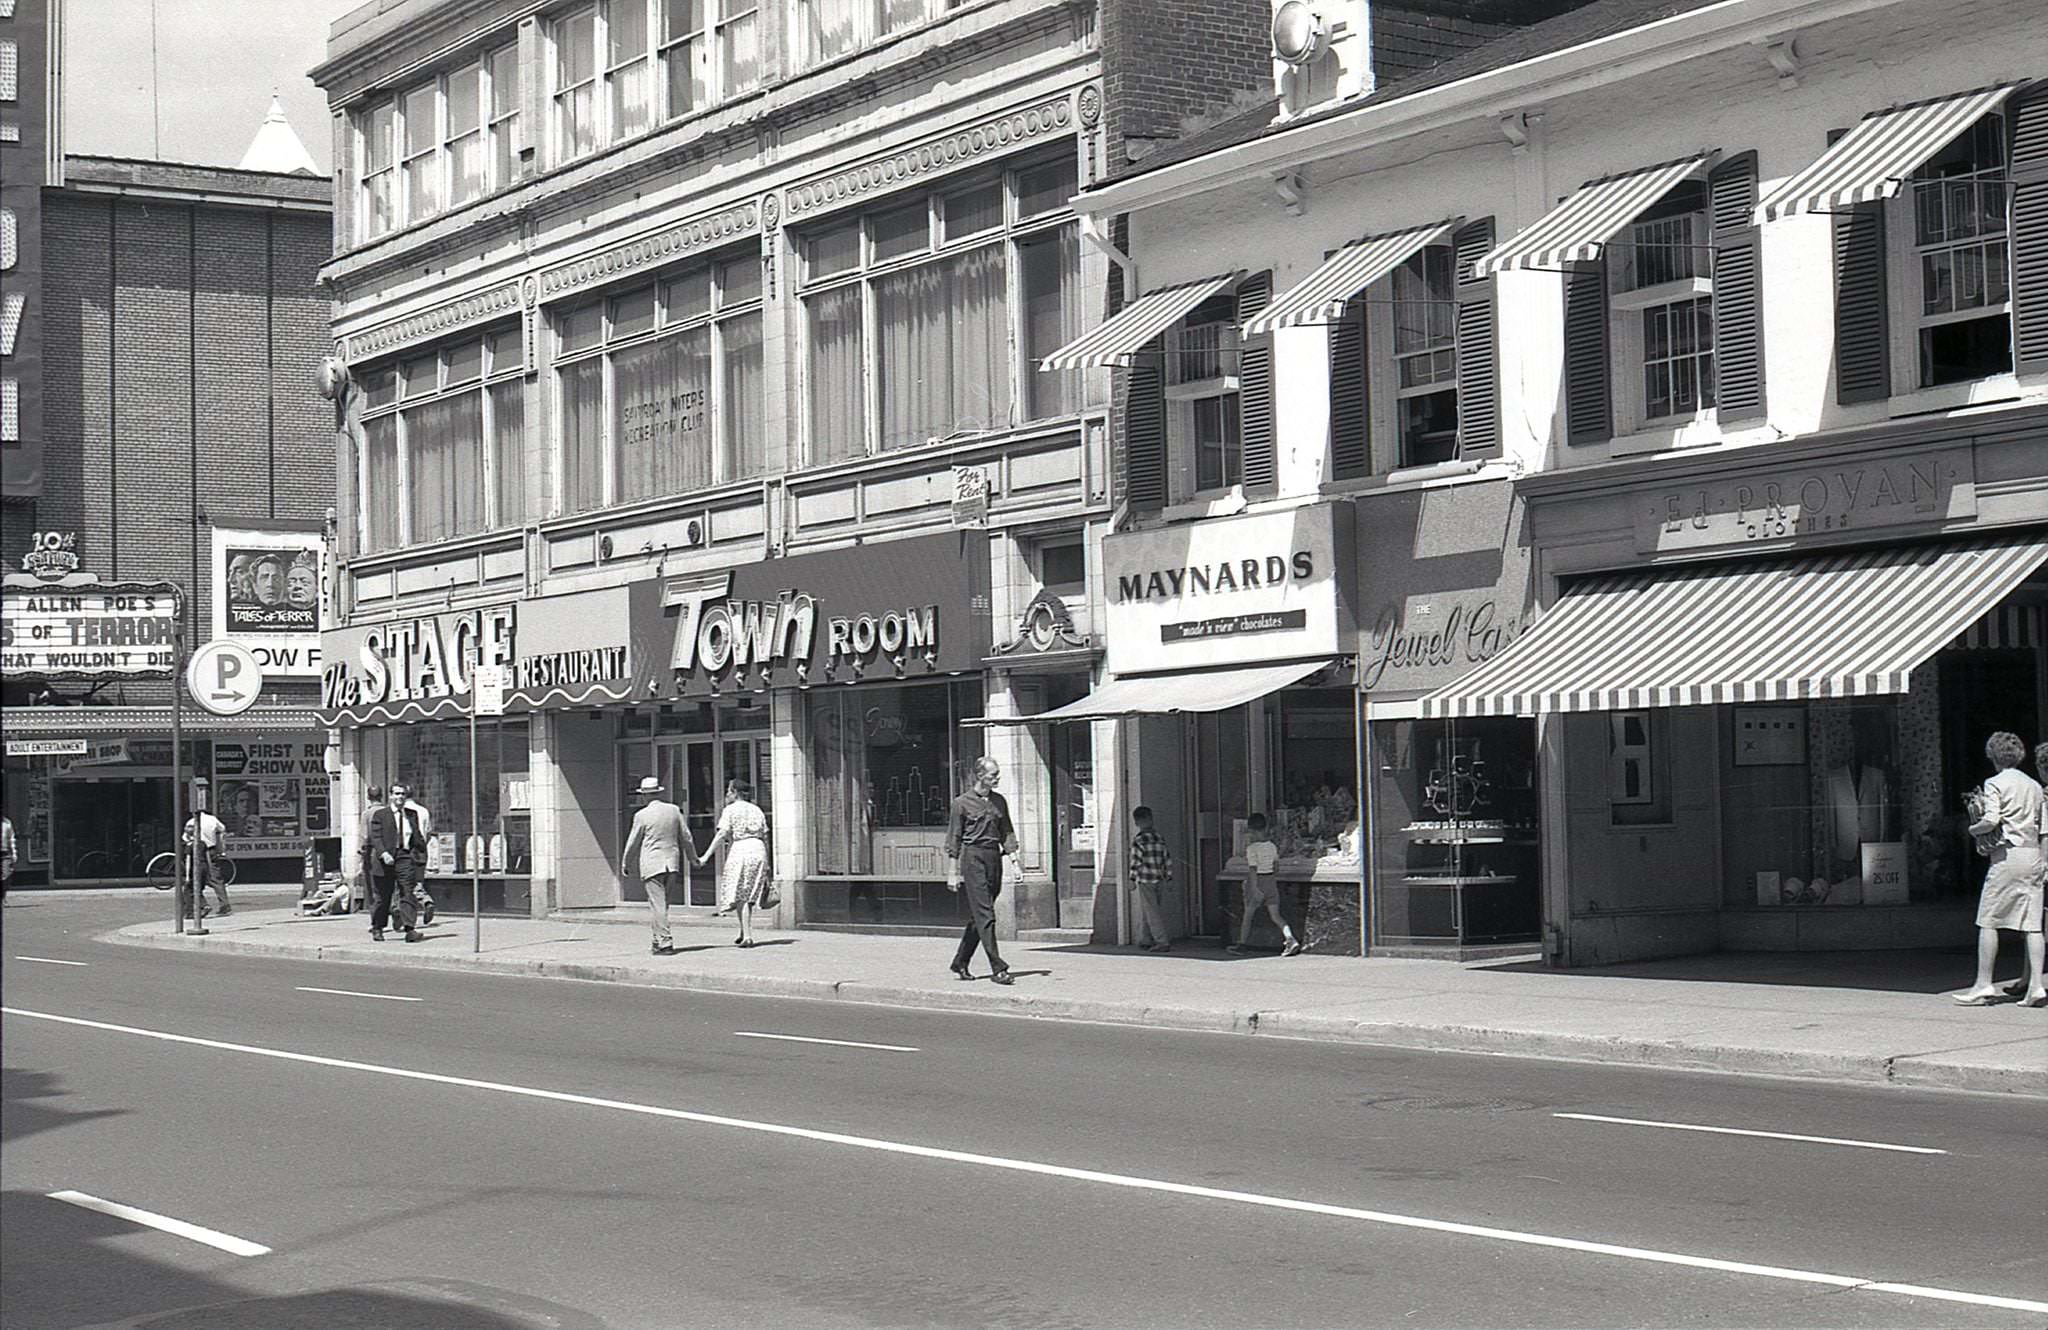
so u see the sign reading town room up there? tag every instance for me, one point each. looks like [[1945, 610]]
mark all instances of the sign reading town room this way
[[1927, 488], [1227, 591]]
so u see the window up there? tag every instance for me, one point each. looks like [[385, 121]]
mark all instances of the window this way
[[628, 76], [1958, 287], [1063, 569], [423, 165], [448, 141], [575, 97], [1204, 419], [378, 192], [686, 55], [435, 426], [1425, 324], [507, 137], [827, 29], [739, 46], [662, 387], [1662, 328], [468, 167], [924, 320]]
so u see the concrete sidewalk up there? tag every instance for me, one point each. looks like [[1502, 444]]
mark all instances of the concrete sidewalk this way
[[1879, 1017]]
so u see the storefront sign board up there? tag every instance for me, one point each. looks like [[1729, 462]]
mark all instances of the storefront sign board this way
[[1912, 489], [266, 596], [1231, 591], [271, 793], [46, 748], [87, 629]]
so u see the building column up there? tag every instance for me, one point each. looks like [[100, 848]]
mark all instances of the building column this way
[[543, 821], [789, 773]]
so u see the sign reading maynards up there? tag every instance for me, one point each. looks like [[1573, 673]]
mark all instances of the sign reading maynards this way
[[1229, 591], [1909, 490]]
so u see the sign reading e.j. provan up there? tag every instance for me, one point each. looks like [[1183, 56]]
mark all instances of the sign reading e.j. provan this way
[[1906, 490]]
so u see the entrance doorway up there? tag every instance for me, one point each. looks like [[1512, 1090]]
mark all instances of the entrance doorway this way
[[696, 770], [1073, 797], [1983, 692]]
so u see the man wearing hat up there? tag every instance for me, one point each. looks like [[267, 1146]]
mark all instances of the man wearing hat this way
[[660, 845]]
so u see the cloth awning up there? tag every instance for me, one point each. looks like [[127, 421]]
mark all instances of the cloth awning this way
[[1117, 339], [1873, 160], [1771, 630], [1169, 694], [1580, 226], [1320, 296]]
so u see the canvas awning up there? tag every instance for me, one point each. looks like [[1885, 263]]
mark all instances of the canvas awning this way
[[1320, 296], [1170, 694], [1124, 334], [1769, 630], [1873, 160], [1581, 225]]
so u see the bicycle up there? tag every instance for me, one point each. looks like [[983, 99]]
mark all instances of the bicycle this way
[[163, 869]]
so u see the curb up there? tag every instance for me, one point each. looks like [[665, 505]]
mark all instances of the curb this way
[[1914, 1071]]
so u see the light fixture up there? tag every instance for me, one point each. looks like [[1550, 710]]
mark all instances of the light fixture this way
[[1299, 34]]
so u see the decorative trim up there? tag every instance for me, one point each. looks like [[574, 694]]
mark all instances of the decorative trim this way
[[428, 324], [661, 247], [1090, 102], [1000, 134]]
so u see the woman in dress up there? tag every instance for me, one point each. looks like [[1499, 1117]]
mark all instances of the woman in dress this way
[[743, 830]]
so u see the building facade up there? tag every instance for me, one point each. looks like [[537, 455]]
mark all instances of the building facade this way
[[1680, 372], [693, 377], [179, 439]]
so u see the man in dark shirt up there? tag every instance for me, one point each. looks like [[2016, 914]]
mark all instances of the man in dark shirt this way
[[978, 834]]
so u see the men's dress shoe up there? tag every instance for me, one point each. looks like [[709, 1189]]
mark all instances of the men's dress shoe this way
[[376, 935], [426, 918], [961, 971], [414, 935], [226, 910], [1002, 977], [664, 950]]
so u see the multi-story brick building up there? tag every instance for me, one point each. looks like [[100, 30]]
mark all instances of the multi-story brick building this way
[[183, 440], [1608, 470]]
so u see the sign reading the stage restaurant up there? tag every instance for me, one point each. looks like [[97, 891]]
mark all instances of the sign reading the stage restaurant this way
[[1228, 591], [1908, 490], [416, 660]]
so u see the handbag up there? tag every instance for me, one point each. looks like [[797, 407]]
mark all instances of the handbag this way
[[769, 898]]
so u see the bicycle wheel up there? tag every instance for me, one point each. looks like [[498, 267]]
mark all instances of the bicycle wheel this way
[[162, 870], [93, 864], [227, 871]]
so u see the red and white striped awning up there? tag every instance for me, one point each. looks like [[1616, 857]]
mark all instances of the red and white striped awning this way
[[1582, 225], [1769, 630], [1320, 296], [1873, 160], [1115, 340]]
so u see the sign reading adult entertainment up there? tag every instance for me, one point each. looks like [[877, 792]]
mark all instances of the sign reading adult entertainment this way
[[1234, 590]]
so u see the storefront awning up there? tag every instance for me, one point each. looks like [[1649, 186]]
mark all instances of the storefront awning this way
[[1170, 694], [1772, 630], [1579, 227], [54, 721], [1873, 160], [1320, 296], [1117, 339]]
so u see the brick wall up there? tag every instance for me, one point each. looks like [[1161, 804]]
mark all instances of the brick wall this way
[[1166, 61], [1412, 37]]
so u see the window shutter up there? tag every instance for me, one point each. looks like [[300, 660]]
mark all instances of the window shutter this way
[[1261, 473], [1478, 346], [2029, 175], [1863, 352], [1738, 309], [1350, 454], [1144, 429], [1588, 386]]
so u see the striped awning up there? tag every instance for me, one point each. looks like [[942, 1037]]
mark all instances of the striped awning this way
[[1116, 340], [1873, 160], [1170, 694], [1580, 226], [1320, 296], [1769, 630]]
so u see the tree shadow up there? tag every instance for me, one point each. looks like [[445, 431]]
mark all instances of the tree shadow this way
[[26, 1107]]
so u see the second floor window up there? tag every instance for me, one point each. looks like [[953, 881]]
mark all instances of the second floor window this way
[[1424, 321], [438, 145], [827, 29], [444, 443], [1204, 419], [1661, 272], [1958, 288], [575, 84]]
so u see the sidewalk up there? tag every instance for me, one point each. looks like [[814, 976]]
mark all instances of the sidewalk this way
[[1877, 1017]]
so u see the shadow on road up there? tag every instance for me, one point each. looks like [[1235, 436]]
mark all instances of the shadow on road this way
[[27, 1104]]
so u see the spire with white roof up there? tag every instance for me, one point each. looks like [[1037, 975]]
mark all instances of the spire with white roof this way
[[277, 147]]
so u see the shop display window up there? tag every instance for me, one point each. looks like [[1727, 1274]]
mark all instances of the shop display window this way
[[1311, 808], [432, 760]]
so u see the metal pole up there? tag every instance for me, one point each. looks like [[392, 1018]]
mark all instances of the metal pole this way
[[476, 840], [178, 876]]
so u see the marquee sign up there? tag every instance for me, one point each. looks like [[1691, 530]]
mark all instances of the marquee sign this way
[[59, 623]]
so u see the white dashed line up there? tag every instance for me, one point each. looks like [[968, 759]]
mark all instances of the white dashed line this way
[[227, 1242], [1743, 1131], [46, 960], [1254, 1199], [349, 992], [837, 1043]]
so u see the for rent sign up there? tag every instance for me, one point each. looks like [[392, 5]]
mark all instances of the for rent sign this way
[[114, 630]]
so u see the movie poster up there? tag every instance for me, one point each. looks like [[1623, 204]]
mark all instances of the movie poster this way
[[266, 596], [271, 794]]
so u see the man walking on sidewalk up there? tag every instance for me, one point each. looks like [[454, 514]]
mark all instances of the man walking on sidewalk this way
[[657, 848], [397, 848], [212, 834], [978, 834], [422, 900]]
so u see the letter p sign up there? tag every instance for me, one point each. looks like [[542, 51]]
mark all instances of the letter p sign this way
[[224, 677]]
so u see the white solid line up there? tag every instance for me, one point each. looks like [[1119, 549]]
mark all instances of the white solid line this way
[[349, 992], [1743, 1131], [839, 1043], [227, 1242], [45, 960], [1075, 1174]]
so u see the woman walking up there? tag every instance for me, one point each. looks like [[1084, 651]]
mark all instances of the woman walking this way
[[743, 830]]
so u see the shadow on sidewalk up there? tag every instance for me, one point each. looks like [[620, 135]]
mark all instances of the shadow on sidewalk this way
[[1929, 970]]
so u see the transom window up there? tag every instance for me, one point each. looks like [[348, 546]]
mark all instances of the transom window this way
[[1662, 329], [438, 145], [1961, 304], [925, 318], [828, 29], [662, 387], [443, 451]]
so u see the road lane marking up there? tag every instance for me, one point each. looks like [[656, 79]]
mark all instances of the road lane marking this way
[[838, 1043], [350, 992], [227, 1242], [1743, 1131], [45, 960], [1128, 1181]]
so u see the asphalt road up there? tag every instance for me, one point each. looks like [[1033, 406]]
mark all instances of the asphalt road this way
[[508, 1153]]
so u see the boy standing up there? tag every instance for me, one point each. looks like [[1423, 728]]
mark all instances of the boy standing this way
[[1151, 867], [1262, 858]]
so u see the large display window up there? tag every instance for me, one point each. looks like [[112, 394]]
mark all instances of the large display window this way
[[432, 760], [885, 763]]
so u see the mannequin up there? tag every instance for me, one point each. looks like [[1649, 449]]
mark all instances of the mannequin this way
[[1857, 798]]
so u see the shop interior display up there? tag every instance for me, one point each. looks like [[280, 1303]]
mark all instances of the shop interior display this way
[[1461, 869]]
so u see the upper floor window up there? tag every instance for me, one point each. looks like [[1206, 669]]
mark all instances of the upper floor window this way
[[660, 59], [1954, 228], [443, 443], [1422, 411], [662, 387], [439, 144], [1661, 275], [925, 319], [1204, 421], [826, 29], [378, 178], [575, 84]]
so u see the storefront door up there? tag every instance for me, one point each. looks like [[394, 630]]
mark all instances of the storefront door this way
[[109, 827], [1222, 779], [696, 771], [1983, 692], [1073, 791]]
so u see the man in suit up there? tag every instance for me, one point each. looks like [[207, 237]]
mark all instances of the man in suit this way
[[398, 848], [658, 848]]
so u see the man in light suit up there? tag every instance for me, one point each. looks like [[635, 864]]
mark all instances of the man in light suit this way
[[659, 848], [398, 850]]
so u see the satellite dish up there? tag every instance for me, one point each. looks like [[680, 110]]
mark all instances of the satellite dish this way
[[1299, 34]]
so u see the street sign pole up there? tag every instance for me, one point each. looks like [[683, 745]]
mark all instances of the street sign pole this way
[[476, 840], [179, 877]]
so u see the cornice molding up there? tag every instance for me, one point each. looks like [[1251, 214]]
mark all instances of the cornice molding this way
[[663, 246], [936, 155], [451, 316]]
